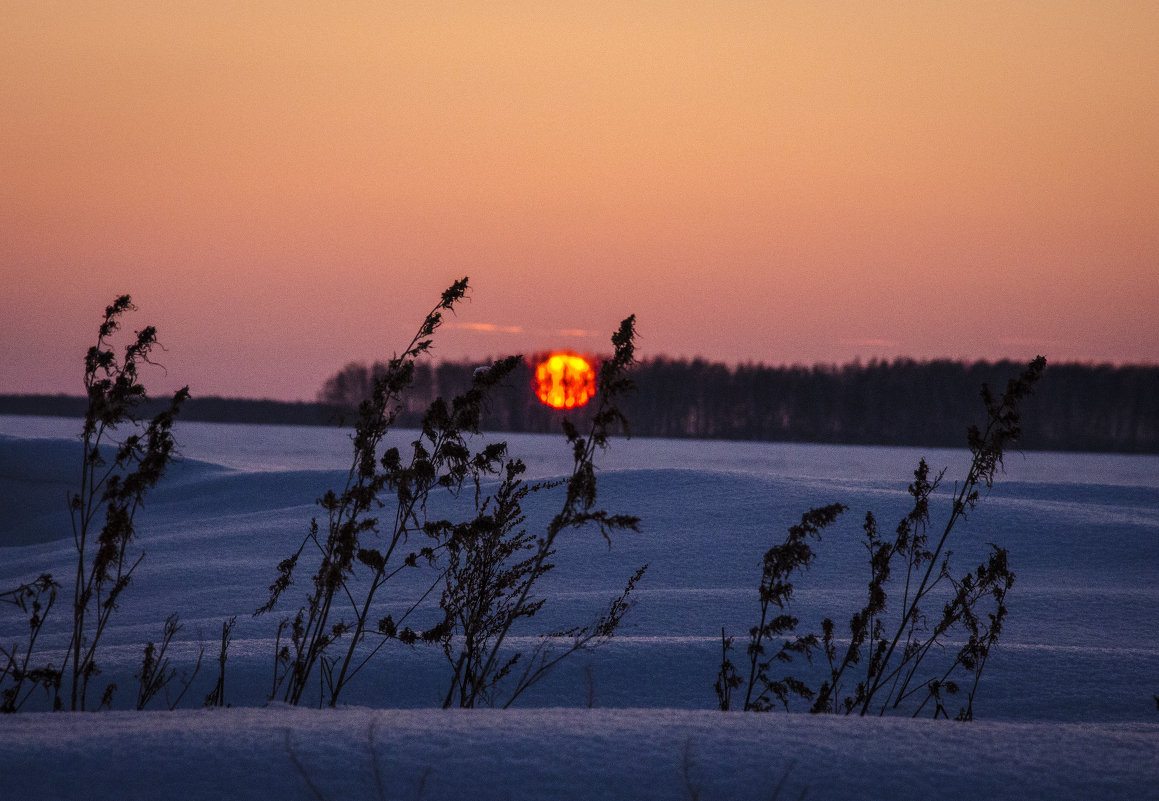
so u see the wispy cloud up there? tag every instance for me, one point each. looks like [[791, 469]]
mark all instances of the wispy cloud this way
[[494, 328], [489, 327]]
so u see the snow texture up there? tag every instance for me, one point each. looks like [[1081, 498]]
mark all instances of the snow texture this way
[[1066, 708], [351, 753]]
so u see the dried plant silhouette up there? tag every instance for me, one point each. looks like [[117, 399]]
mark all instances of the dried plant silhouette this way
[[494, 563], [116, 475], [20, 676], [117, 489], [450, 511], [893, 663], [439, 458], [216, 696], [156, 674], [382, 523]]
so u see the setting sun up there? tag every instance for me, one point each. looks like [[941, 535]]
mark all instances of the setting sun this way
[[565, 380]]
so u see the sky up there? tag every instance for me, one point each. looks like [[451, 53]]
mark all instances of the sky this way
[[284, 188]]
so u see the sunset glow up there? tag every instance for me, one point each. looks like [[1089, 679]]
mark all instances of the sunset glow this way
[[564, 381], [287, 187]]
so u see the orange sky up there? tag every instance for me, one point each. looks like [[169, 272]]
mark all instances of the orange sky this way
[[286, 187]]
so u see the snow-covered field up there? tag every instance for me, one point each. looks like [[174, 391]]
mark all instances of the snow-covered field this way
[[564, 754], [1066, 706]]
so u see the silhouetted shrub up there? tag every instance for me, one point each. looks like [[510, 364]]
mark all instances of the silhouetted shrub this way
[[885, 667], [116, 474], [334, 635]]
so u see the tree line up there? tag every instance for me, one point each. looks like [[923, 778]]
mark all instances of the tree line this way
[[1079, 407]]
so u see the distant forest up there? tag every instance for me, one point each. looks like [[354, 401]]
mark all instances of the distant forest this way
[[904, 402], [1075, 407]]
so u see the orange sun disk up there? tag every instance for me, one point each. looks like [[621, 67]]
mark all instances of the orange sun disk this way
[[565, 380]]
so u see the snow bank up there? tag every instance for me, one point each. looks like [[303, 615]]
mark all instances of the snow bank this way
[[355, 753]]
